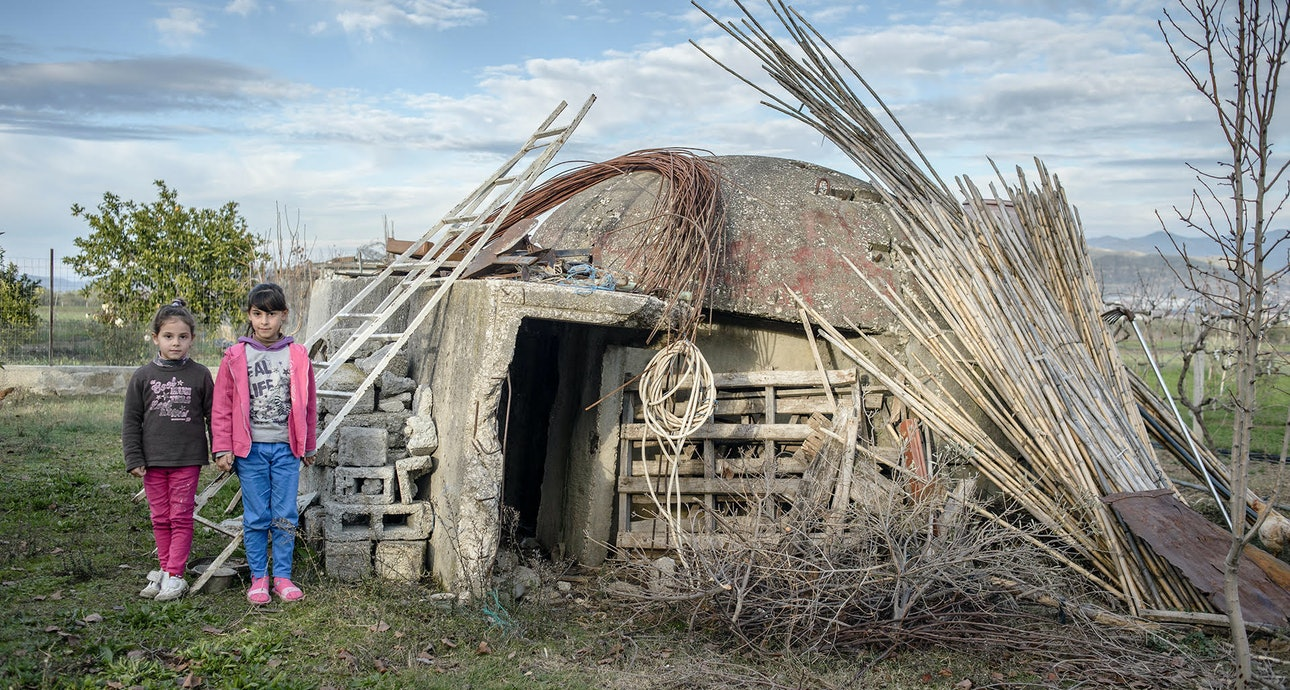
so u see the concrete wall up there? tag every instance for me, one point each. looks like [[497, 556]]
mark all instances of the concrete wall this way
[[66, 380]]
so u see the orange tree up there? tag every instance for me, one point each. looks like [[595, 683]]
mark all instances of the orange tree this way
[[140, 256]]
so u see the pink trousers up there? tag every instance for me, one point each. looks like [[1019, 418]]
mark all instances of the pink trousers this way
[[172, 493]]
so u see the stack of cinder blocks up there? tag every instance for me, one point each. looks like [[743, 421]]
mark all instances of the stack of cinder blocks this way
[[373, 518]]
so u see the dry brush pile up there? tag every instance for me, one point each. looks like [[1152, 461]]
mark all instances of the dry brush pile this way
[[901, 574]]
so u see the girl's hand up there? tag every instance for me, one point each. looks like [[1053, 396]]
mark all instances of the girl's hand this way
[[139, 472], [224, 461], [307, 460]]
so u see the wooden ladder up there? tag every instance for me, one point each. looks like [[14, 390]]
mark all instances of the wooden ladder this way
[[475, 219]]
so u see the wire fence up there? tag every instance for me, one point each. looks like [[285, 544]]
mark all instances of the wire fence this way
[[68, 330]]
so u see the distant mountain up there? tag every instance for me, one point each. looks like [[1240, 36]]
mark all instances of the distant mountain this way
[[1130, 270], [1148, 244], [61, 284]]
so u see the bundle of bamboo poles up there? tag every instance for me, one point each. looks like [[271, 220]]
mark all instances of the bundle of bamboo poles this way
[[1006, 312]]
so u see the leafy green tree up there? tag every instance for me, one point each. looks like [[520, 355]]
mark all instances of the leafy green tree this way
[[19, 296], [140, 256]]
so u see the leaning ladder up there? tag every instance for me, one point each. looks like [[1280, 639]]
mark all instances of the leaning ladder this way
[[478, 216]]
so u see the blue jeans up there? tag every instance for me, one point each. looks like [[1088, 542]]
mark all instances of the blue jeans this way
[[270, 478]]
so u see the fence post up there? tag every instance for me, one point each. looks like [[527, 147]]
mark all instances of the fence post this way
[[51, 306]]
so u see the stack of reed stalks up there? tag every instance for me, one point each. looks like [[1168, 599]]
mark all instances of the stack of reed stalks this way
[[1006, 311]]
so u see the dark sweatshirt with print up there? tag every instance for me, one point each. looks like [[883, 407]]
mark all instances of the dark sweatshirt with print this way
[[167, 415]]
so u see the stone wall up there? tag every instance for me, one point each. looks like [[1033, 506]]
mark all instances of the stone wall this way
[[66, 380]]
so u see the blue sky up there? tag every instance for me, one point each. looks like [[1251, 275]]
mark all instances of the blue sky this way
[[354, 115]]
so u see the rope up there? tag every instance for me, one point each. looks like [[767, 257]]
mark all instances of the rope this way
[[678, 368]]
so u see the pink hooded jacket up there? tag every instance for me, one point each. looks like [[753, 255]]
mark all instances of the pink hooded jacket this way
[[231, 408]]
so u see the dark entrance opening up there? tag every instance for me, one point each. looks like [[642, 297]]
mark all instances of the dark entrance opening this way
[[528, 398]]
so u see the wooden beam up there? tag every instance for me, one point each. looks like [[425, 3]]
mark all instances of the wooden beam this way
[[727, 432]]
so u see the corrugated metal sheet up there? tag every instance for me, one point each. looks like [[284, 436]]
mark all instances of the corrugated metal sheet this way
[[1198, 547]]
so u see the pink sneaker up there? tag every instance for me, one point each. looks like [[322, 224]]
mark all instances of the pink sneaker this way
[[286, 589], [258, 594]]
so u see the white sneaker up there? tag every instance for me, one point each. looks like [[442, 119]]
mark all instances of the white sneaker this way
[[154, 585], [172, 587]]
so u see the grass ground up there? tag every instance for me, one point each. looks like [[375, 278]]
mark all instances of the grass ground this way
[[74, 549]]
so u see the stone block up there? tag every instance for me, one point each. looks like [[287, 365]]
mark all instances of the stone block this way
[[423, 437], [332, 404], [398, 365], [312, 524], [392, 385], [392, 422], [347, 378], [423, 401], [395, 404], [362, 446], [408, 521], [326, 455], [336, 338], [363, 485], [348, 560], [400, 560]]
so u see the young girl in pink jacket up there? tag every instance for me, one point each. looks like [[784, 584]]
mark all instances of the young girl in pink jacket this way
[[263, 426]]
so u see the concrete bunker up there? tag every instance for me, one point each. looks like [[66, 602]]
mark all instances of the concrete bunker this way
[[528, 384]]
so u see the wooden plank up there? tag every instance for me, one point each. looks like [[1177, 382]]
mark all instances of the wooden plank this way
[[398, 247], [754, 379], [777, 378], [693, 467], [727, 432], [724, 487]]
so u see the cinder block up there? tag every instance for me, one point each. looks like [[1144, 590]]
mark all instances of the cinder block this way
[[361, 446], [408, 521], [350, 560], [363, 485], [326, 456], [400, 560]]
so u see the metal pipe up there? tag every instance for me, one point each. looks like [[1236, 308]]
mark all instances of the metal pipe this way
[[1120, 311]]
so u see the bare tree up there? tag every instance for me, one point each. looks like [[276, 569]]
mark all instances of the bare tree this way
[[287, 259], [1232, 51]]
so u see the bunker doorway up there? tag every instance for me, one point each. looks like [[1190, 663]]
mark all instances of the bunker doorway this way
[[548, 435], [527, 410]]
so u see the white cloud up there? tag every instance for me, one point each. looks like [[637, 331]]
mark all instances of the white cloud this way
[[179, 28], [242, 7], [372, 18]]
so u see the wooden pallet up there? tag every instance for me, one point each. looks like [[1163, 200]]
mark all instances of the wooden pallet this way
[[765, 432]]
